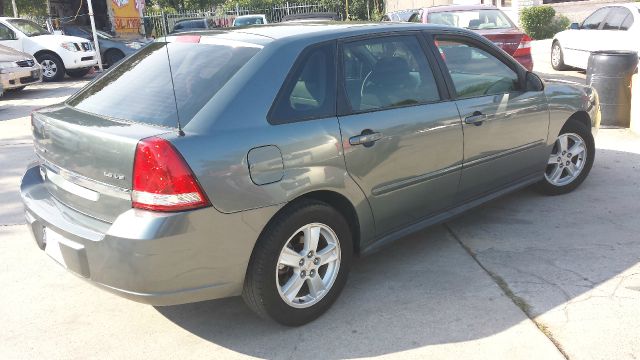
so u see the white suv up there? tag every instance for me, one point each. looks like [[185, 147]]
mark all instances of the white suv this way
[[56, 53]]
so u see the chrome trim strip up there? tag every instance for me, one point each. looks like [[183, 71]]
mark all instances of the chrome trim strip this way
[[503, 154], [70, 187], [85, 182], [396, 185]]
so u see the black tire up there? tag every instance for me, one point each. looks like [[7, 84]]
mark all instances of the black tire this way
[[572, 126], [78, 73], [111, 57], [260, 291], [559, 65], [45, 60]]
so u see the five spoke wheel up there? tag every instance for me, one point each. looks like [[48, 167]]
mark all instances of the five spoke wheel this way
[[308, 265], [567, 159]]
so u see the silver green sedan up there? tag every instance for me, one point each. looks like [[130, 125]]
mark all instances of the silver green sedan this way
[[260, 161]]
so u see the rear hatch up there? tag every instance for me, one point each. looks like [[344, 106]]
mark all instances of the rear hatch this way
[[87, 146]]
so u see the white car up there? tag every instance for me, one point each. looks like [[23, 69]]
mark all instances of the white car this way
[[57, 54], [254, 19], [615, 27]]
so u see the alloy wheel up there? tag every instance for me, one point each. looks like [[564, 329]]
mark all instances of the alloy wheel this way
[[567, 159], [308, 265], [555, 55], [49, 68]]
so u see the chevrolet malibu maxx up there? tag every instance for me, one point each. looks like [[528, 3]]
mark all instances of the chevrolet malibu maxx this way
[[259, 161]]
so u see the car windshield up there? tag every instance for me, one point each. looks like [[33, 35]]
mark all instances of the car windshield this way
[[255, 20], [140, 88], [28, 27], [472, 19]]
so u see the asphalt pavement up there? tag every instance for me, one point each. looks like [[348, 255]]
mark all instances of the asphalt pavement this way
[[523, 277]]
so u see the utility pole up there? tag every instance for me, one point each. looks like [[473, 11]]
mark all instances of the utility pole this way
[[346, 8], [15, 8], [95, 34]]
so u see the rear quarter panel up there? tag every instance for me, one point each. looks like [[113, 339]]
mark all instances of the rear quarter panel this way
[[221, 135]]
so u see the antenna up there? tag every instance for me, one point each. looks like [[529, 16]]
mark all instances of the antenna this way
[[173, 88]]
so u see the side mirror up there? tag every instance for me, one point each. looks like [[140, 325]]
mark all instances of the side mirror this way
[[574, 26], [533, 82]]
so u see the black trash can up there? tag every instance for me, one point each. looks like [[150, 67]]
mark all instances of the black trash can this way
[[609, 72]]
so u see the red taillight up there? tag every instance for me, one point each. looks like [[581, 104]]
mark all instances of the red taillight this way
[[525, 46], [162, 180]]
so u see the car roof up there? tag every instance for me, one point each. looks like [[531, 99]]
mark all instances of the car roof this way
[[447, 8], [250, 15], [331, 29]]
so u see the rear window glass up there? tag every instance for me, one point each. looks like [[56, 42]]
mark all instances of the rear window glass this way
[[472, 19], [141, 88]]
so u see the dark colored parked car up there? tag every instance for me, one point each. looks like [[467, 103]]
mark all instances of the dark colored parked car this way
[[259, 161], [112, 49], [485, 20], [193, 24]]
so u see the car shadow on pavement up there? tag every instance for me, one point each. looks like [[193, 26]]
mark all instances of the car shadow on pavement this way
[[426, 289]]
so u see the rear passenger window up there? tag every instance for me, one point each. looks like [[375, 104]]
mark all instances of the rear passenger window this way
[[615, 18], [387, 72], [310, 91], [628, 21], [474, 71]]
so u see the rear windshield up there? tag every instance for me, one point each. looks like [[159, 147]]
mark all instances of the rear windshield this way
[[141, 88], [472, 19]]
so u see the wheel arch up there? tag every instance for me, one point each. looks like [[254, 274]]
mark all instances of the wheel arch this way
[[48, 52], [582, 117]]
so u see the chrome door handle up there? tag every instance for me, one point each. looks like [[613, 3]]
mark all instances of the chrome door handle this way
[[477, 118], [366, 139]]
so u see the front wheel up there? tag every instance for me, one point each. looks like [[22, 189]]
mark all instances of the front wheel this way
[[300, 264], [570, 161], [52, 67]]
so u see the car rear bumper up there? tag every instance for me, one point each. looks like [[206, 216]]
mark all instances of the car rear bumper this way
[[153, 258], [19, 76], [526, 61]]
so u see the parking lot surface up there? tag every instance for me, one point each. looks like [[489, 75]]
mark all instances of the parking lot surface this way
[[523, 277]]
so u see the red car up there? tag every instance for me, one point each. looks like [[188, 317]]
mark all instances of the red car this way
[[487, 21]]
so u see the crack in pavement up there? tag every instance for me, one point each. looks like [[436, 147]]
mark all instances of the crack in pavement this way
[[518, 301]]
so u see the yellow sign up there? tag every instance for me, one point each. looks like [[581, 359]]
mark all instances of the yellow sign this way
[[126, 15]]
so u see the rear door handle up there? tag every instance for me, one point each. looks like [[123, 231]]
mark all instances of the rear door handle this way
[[366, 138], [477, 118]]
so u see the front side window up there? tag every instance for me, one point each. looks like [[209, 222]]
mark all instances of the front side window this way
[[472, 19], [627, 22], [310, 91], [474, 71], [387, 72], [6, 33], [594, 20]]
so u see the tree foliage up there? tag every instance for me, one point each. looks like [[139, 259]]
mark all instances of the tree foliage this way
[[541, 22]]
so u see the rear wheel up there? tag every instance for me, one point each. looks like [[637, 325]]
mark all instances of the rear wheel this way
[[557, 58], [300, 264], [570, 161], [76, 74], [52, 67]]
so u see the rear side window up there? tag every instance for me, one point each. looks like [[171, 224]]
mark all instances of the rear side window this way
[[310, 90], [628, 21], [616, 17], [141, 88], [387, 72]]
